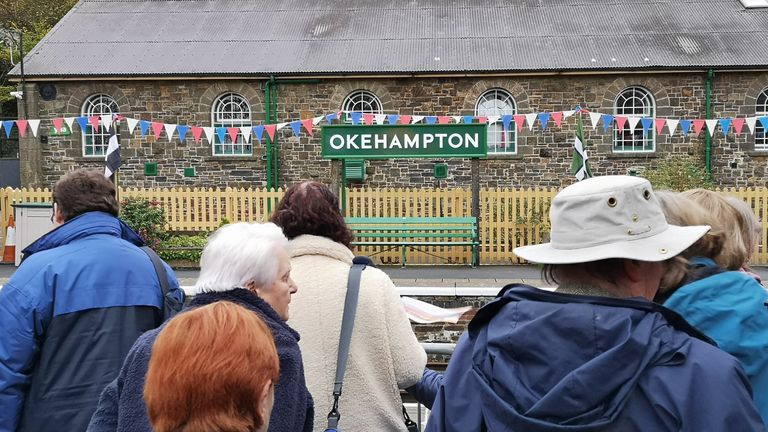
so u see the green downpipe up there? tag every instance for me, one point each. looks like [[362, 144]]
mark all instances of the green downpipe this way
[[268, 156], [708, 137], [344, 187], [275, 147]]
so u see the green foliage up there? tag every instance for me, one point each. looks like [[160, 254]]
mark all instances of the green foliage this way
[[224, 221], [146, 217], [678, 174], [183, 247]]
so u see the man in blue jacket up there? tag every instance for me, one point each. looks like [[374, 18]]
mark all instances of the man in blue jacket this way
[[71, 312], [597, 354]]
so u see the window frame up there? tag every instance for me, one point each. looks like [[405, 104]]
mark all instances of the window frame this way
[[648, 143], [496, 134], [761, 109], [349, 103], [89, 137], [240, 147]]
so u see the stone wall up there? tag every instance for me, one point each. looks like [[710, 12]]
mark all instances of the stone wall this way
[[543, 157]]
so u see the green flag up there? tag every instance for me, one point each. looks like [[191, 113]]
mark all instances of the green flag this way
[[579, 165]]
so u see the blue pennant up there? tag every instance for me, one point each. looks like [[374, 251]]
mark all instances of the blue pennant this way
[[607, 122], [83, 122], [392, 119], [222, 133], [685, 126], [296, 127], [647, 124], [8, 125], [506, 120], [726, 125], [329, 118], [764, 122], [182, 130], [543, 119], [259, 131], [468, 119], [144, 125], [356, 116], [430, 119]]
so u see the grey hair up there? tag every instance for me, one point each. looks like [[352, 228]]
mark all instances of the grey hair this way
[[239, 253]]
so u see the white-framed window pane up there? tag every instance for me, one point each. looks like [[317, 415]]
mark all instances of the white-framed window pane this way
[[498, 102], [231, 110], [96, 140], [361, 101], [634, 102], [761, 109]]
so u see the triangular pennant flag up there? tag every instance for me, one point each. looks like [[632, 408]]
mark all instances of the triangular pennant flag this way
[[271, 131], [368, 119], [83, 122], [197, 132], [647, 124], [530, 118], [431, 120], [22, 125], [505, 121], [443, 119], [308, 126], [317, 120], [633, 121], [296, 128], [94, 121], [245, 132], [493, 119], [594, 118], [144, 127], [751, 124], [329, 118], [711, 125], [738, 124], [416, 119], [482, 119], [379, 118], [698, 125], [233, 132], [468, 119], [69, 121], [557, 116], [405, 119], [57, 124], [569, 113], [208, 130], [280, 126], [621, 122], [157, 129], [607, 122], [543, 119], [221, 132], [8, 125], [169, 130], [725, 124], [355, 116], [132, 122], [519, 121], [33, 125], [259, 131], [685, 126], [106, 121], [660, 125], [392, 118], [456, 119], [672, 125], [764, 122], [182, 131]]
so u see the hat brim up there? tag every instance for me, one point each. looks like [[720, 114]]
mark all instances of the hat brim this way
[[659, 247]]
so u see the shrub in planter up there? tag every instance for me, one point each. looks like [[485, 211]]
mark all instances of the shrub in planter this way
[[183, 247], [146, 218]]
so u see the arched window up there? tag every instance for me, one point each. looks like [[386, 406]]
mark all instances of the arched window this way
[[96, 140], [634, 102], [498, 102], [361, 101], [231, 110], [761, 109]]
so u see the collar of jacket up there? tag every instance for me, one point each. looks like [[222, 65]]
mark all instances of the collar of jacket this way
[[87, 224], [307, 244]]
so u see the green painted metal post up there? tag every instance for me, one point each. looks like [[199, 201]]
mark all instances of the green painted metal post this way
[[344, 187], [708, 137], [268, 120], [275, 146]]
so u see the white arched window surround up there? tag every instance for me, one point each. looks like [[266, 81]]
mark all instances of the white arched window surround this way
[[498, 102], [231, 110], [634, 101], [761, 109], [362, 101], [96, 140]]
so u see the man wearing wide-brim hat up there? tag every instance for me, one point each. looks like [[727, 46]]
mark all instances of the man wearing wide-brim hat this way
[[596, 354]]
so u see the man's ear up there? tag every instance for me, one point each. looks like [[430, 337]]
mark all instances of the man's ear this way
[[634, 270], [58, 217]]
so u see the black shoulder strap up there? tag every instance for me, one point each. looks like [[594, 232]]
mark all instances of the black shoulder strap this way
[[171, 305]]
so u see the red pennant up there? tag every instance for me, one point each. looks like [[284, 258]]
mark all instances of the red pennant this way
[[443, 119], [270, 131], [94, 120], [557, 116], [22, 125], [482, 119], [405, 119], [233, 131], [368, 119], [197, 132], [698, 124], [519, 122], [660, 125], [57, 124], [308, 125], [620, 122], [738, 123], [157, 128]]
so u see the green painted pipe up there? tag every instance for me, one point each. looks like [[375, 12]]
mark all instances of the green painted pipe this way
[[268, 149], [708, 137]]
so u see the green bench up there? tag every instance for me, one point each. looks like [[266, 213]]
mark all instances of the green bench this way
[[415, 233]]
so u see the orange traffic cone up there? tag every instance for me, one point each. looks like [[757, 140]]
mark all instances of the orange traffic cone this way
[[9, 252]]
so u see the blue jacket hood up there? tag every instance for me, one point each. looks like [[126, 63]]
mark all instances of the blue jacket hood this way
[[81, 226]]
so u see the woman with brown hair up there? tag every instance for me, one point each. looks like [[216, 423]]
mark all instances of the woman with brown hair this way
[[384, 355], [212, 368]]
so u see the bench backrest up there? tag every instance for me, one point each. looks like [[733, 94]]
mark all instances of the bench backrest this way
[[371, 225]]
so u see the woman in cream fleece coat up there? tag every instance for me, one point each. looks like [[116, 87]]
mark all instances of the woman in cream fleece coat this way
[[384, 354]]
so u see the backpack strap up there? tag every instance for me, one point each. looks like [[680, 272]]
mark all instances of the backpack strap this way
[[171, 305]]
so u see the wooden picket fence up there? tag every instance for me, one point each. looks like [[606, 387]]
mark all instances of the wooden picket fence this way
[[509, 217]]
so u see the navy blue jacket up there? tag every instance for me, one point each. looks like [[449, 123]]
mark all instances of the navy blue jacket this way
[[535, 361], [69, 315], [121, 407]]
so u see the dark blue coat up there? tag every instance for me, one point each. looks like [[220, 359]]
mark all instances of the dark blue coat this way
[[534, 361], [68, 317], [121, 407]]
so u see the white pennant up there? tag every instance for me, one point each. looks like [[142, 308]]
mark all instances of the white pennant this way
[[493, 119], [456, 119], [594, 118], [280, 126], [672, 125], [245, 131], [530, 119], [751, 124], [34, 124], [633, 121], [316, 120], [711, 125], [567, 114], [379, 118], [106, 121], [208, 133], [416, 119], [169, 129], [132, 122], [69, 121]]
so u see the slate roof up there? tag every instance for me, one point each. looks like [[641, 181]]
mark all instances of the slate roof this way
[[322, 37]]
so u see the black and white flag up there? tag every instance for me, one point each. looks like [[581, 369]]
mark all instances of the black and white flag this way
[[113, 151]]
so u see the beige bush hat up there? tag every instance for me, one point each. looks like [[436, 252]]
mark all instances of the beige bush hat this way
[[610, 217]]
